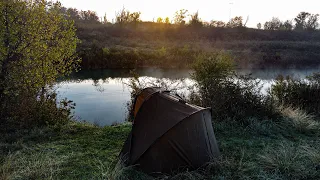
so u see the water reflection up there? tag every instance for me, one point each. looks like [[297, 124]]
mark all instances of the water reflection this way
[[101, 95]]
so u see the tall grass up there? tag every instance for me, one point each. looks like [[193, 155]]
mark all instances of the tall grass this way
[[300, 119], [33, 165], [291, 161], [304, 94]]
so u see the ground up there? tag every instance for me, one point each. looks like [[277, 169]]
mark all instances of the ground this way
[[258, 149]]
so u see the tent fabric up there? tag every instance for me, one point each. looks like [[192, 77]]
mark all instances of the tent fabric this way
[[143, 96], [169, 134]]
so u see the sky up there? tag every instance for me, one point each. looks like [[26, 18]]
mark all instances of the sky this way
[[255, 10]]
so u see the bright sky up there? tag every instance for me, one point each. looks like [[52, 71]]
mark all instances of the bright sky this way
[[257, 10]]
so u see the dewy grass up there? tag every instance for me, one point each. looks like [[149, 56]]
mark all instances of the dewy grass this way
[[30, 165], [301, 120], [256, 150]]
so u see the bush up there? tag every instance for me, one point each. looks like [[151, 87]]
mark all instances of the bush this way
[[27, 111], [231, 96], [303, 94]]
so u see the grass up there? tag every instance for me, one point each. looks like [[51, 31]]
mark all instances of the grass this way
[[261, 150], [78, 151]]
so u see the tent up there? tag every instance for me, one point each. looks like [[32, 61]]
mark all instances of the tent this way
[[168, 134]]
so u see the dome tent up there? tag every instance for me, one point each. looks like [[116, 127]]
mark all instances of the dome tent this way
[[168, 134]]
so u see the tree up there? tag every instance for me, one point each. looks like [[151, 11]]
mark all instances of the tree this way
[[301, 20], [306, 21], [89, 16], [235, 22], [38, 44], [273, 24], [180, 16], [219, 24], [312, 23], [125, 17], [259, 26], [159, 20], [287, 25], [167, 20], [195, 21], [105, 20], [73, 14], [135, 17]]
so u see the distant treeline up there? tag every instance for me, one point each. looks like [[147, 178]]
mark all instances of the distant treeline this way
[[129, 42]]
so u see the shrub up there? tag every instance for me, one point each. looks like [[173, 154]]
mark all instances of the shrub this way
[[231, 96], [303, 94]]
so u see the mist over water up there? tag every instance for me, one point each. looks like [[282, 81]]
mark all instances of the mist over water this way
[[101, 96]]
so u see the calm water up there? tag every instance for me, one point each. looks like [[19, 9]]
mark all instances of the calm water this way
[[101, 95]]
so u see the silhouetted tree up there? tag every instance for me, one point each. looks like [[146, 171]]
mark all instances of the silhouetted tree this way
[[235, 22], [105, 20], [195, 21], [89, 16], [306, 21], [125, 17], [167, 20], [135, 17], [259, 26], [274, 24], [159, 20], [287, 25], [220, 24], [122, 17], [312, 23], [301, 20], [180, 16]]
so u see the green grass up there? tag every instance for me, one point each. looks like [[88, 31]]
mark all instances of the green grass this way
[[261, 149], [78, 151]]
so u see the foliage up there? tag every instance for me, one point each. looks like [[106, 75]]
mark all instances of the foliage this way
[[298, 93], [259, 26], [219, 24], [37, 45], [306, 21], [124, 17], [159, 20], [195, 21], [179, 17], [235, 22], [229, 95], [274, 24]]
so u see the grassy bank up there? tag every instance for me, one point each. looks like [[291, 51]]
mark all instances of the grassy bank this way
[[285, 148]]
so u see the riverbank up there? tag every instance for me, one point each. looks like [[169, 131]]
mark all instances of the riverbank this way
[[285, 148], [155, 45]]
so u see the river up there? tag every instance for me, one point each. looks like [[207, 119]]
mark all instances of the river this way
[[101, 96]]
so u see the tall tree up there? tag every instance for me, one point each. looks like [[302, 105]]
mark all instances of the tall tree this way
[[312, 23], [235, 22], [159, 20], [301, 20], [37, 45], [167, 20], [273, 24], [287, 25], [180, 16], [219, 24], [259, 26], [195, 21]]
